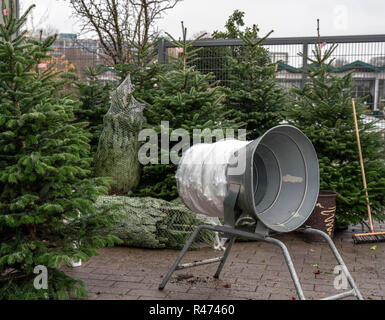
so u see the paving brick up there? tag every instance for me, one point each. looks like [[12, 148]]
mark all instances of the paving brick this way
[[149, 293], [125, 278], [100, 283], [116, 297], [188, 296], [107, 290], [131, 285], [86, 275]]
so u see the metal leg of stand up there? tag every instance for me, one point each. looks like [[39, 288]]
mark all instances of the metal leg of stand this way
[[224, 258], [181, 254], [355, 291], [233, 233], [290, 265]]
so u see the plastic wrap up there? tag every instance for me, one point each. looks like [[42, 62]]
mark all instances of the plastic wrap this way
[[201, 176]]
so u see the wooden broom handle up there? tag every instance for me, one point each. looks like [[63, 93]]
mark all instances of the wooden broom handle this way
[[362, 167]]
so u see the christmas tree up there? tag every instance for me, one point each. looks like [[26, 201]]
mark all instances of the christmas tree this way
[[143, 70], [253, 95], [117, 153], [47, 216], [94, 94], [189, 100], [322, 109]]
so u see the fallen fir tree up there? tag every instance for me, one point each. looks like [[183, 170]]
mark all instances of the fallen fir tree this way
[[152, 223]]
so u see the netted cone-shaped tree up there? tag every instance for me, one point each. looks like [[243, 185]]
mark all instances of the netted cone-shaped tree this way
[[117, 154]]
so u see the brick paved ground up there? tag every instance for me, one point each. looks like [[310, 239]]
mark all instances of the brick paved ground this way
[[254, 270]]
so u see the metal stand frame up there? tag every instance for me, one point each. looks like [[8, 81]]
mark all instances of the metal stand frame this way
[[233, 233]]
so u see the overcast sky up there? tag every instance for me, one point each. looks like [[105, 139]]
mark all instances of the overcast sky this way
[[286, 18]]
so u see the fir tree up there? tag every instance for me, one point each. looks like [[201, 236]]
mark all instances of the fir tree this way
[[144, 71], [47, 215], [322, 109], [187, 99], [253, 96], [94, 94]]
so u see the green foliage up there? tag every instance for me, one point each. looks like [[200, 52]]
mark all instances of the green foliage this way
[[234, 26], [46, 193], [189, 100], [323, 111], [253, 95], [94, 94]]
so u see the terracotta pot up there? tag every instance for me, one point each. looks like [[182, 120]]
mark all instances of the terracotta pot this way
[[323, 216]]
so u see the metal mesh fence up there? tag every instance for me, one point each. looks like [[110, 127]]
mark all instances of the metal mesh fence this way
[[75, 55], [364, 55]]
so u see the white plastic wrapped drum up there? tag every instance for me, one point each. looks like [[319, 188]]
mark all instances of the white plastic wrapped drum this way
[[201, 176]]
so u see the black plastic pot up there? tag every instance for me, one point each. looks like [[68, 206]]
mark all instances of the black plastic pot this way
[[323, 216]]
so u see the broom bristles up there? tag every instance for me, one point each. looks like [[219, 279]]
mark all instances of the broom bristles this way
[[369, 237]]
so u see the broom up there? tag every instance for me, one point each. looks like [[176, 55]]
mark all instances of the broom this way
[[370, 236]]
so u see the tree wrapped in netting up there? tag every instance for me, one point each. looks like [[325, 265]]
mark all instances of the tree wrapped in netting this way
[[117, 154], [152, 223]]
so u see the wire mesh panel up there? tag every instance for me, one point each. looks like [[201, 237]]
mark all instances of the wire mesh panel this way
[[364, 56], [75, 55], [367, 62], [289, 64]]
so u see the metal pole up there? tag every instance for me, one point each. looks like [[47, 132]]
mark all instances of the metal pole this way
[[339, 259], [161, 51], [17, 9], [376, 95], [290, 265], [224, 258], [181, 254], [305, 51]]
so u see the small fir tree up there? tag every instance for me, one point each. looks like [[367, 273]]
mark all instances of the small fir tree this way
[[144, 71], [94, 94], [187, 99], [253, 95], [47, 215], [322, 109]]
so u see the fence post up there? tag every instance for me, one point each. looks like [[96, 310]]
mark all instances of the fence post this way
[[161, 51], [305, 50], [376, 94]]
